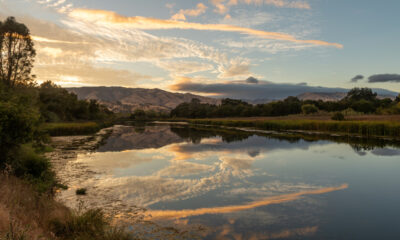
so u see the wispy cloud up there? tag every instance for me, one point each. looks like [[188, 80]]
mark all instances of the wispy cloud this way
[[108, 17], [176, 214], [181, 15], [222, 6]]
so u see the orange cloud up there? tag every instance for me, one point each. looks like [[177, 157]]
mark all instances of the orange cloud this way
[[144, 23], [176, 214], [181, 15]]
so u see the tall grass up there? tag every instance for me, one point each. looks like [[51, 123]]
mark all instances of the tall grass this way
[[362, 128], [27, 214]]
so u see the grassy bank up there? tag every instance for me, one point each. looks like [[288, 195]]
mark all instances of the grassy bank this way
[[361, 128], [26, 214], [72, 128]]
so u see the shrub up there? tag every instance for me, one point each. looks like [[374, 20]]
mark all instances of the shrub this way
[[84, 225], [309, 108], [338, 116]]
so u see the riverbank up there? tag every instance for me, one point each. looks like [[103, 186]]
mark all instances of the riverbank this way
[[26, 213], [364, 128], [73, 128]]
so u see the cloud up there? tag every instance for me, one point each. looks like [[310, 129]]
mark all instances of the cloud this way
[[78, 74], [357, 78], [243, 90], [222, 6], [89, 45], [181, 15], [262, 90], [236, 68], [182, 67], [252, 80], [176, 214], [384, 78], [102, 17]]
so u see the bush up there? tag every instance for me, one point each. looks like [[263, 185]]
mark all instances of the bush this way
[[85, 225], [309, 109], [29, 164], [17, 126], [338, 116]]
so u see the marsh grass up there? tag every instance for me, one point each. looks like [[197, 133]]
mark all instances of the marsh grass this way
[[362, 128], [85, 225]]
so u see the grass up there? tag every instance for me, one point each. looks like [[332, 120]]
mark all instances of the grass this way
[[27, 214], [72, 128], [362, 128]]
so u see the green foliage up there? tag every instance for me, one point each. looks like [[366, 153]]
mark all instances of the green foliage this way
[[17, 53], [28, 163], [363, 128], [359, 100], [357, 94], [86, 225], [338, 116], [363, 106], [18, 125], [57, 104], [309, 109]]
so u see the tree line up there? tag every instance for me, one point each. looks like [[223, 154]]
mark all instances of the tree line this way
[[361, 100]]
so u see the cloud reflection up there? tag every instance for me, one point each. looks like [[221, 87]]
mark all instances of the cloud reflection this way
[[176, 214]]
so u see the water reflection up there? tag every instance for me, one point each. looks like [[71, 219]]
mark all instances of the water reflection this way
[[252, 186]]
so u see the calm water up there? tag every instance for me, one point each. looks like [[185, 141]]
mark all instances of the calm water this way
[[245, 186]]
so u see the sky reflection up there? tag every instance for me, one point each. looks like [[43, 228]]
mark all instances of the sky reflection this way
[[270, 187]]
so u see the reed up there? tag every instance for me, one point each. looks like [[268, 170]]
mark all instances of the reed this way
[[362, 128]]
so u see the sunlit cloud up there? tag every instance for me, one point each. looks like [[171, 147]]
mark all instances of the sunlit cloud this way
[[104, 17], [176, 214], [46, 40], [181, 15]]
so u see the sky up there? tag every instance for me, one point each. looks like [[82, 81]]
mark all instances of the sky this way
[[193, 46]]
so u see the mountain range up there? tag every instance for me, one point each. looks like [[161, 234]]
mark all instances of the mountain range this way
[[120, 99]]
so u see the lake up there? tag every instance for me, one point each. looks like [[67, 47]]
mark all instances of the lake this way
[[230, 184]]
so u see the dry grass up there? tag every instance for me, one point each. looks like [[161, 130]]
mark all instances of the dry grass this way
[[24, 211], [27, 215]]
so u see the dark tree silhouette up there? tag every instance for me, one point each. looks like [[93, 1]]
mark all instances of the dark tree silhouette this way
[[16, 53]]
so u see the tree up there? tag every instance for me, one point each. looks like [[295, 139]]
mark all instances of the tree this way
[[357, 94], [16, 53], [309, 109]]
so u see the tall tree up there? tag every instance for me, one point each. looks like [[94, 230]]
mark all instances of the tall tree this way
[[16, 53]]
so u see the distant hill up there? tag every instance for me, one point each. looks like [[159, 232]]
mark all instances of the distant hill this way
[[120, 99], [334, 96]]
